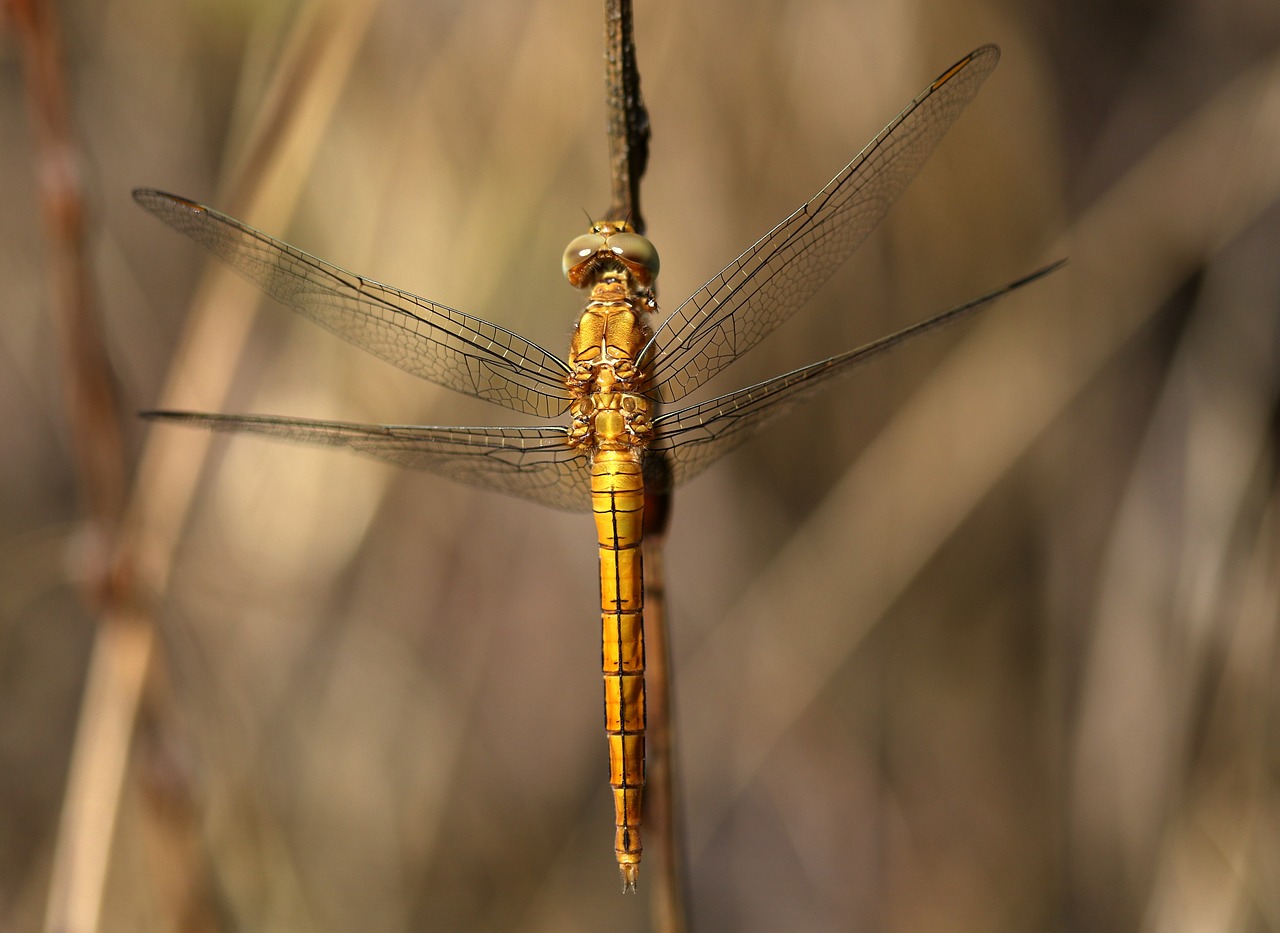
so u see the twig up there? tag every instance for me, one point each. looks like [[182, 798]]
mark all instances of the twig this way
[[628, 120], [628, 128], [130, 553], [662, 816], [90, 393], [126, 631]]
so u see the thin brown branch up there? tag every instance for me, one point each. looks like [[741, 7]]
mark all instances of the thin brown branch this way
[[628, 128], [90, 395], [662, 815], [628, 120], [126, 633], [122, 682]]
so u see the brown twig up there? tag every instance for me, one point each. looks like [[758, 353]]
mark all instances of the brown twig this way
[[669, 911], [90, 392], [628, 129], [131, 552], [628, 120], [126, 632]]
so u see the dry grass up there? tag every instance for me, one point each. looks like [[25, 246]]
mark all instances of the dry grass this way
[[983, 640]]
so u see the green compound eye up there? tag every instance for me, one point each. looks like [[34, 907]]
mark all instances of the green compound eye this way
[[580, 251], [635, 252]]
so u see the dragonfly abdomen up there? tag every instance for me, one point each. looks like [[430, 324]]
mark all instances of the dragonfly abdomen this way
[[617, 496]]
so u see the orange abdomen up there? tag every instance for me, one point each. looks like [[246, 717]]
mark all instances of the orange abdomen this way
[[617, 496]]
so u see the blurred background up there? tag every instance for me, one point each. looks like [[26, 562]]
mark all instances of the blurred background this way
[[982, 639]]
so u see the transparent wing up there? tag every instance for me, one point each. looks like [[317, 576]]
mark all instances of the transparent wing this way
[[766, 284], [445, 346], [532, 463], [695, 437]]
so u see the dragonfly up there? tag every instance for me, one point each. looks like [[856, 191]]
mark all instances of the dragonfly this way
[[618, 384]]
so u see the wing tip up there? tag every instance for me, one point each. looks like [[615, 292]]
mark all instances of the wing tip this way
[[990, 50], [149, 197]]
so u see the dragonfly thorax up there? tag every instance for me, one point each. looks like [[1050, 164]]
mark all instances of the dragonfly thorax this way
[[610, 248], [606, 354]]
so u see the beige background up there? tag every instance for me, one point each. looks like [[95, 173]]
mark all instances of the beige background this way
[[981, 640]]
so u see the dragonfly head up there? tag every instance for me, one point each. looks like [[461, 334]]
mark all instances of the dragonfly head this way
[[610, 247]]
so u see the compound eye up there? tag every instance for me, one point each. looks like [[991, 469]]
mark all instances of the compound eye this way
[[580, 251], [637, 254]]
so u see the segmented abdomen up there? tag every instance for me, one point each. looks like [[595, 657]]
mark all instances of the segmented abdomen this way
[[617, 496]]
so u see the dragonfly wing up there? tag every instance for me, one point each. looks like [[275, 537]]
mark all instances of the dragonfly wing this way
[[764, 286], [445, 346], [533, 463], [693, 438]]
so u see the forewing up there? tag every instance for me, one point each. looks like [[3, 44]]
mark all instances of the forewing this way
[[766, 284], [533, 463], [445, 346]]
